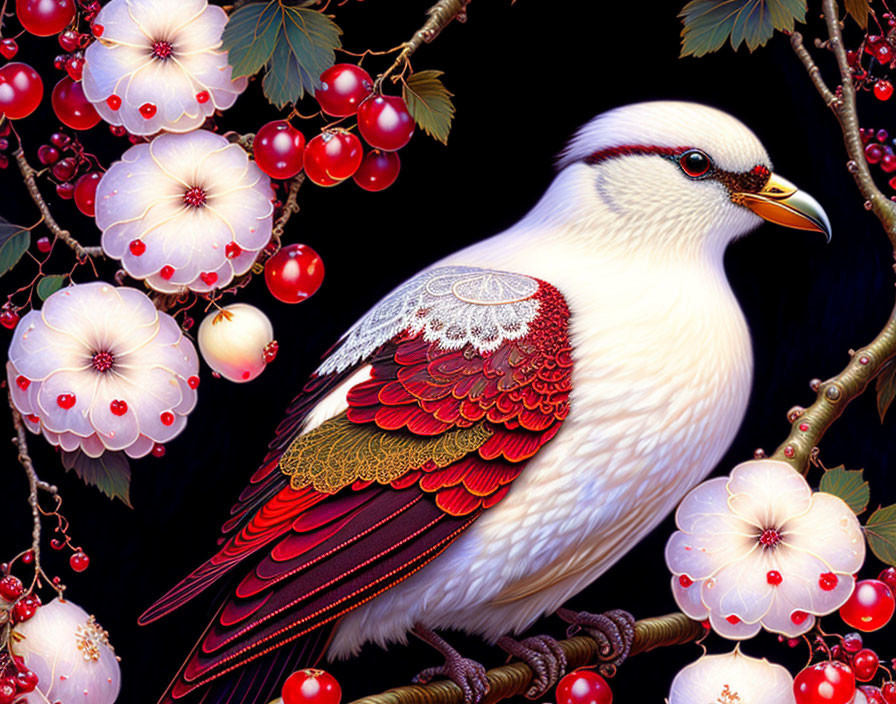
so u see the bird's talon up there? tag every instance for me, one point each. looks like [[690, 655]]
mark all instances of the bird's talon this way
[[614, 632], [545, 658]]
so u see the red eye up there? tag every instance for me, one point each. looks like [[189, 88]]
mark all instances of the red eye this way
[[694, 163]]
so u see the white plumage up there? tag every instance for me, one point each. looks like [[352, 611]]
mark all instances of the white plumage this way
[[661, 377]]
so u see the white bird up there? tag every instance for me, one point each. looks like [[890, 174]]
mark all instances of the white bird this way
[[507, 424]]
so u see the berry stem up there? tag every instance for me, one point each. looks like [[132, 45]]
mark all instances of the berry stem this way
[[290, 207], [440, 16], [28, 174], [515, 679]]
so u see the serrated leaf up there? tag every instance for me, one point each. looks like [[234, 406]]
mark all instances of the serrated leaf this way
[[880, 531], [858, 10], [849, 485], [708, 24], [14, 242], [49, 285], [886, 389], [429, 103], [110, 472], [249, 37], [294, 44]]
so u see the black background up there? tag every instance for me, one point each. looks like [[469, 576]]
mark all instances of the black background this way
[[525, 76]]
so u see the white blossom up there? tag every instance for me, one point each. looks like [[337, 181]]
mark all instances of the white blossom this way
[[732, 678]]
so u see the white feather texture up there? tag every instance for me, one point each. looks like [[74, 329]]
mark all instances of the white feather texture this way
[[661, 378]]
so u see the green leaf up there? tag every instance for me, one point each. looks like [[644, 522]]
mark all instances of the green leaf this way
[[429, 103], [250, 36], [858, 10], [708, 24], [110, 472], [886, 389], [880, 531], [294, 44], [14, 242], [49, 285], [849, 485]]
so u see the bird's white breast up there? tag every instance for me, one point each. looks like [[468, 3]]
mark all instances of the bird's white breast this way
[[661, 379]]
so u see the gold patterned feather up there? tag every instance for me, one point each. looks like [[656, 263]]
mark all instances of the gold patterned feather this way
[[339, 452]]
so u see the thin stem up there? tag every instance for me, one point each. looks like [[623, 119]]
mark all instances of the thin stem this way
[[514, 679], [440, 16], [290, 207], [28, 174]]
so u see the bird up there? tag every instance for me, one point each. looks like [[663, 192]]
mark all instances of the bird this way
[[504, 426]]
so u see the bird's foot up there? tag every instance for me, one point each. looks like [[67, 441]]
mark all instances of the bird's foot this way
[[467, 674], [614, 632], [543, 655]]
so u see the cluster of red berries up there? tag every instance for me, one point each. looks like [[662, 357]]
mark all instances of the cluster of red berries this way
[[833, 681], [64, 170], [882, 53], [15, 678], [22, 605], [583, 687], [337, 154]]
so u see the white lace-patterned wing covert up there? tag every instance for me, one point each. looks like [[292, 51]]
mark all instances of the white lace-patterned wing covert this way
[[453, 306]]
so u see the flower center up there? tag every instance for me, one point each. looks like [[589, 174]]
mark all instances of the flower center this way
[[195, 196], [102, 361], [769, 538], [161, 50]]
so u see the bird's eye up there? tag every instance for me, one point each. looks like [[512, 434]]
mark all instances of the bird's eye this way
[[694, 163]]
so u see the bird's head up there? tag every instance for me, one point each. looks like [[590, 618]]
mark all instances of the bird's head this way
[[672, 175]]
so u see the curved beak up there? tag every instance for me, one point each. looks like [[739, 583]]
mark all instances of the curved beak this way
[[782, 203]]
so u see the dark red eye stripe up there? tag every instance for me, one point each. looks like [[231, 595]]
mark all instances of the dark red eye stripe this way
[[628, 149]]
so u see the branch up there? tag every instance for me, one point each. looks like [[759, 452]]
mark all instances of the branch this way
[[809, 425], [513, 679], [290, 207], [440, 16], [81, 252]]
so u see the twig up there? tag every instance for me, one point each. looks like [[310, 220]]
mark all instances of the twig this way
[[514, 679], [290, 207], [28, 174], [440, 16], [809, 425]]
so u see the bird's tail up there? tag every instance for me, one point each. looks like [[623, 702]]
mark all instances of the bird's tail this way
[[260, 680]]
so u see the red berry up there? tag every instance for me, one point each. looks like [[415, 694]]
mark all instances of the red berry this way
[[883, 89], [79, 561], [335, 153], [385, 123], [311, 687], [378, 170], [8, 690], [158, 450], [21, 90], [584, 687], [8, 48], [294, 273], [870, 607], [44, 245], [71, 107], [9, 318], [74, 67], [45, 17], [118, 130], [26, 681], [864, 665], [85, 192], [316, 174], [874, 153], [888, 163], [60, 141], [888, 576], [883, 53], [343, 88], [11, 587], [69, 40], [25, 608], [278, 148], [65, 168], [889, 692], [47, 155], [882, 135], [852, 642], [270, 351], [66, 191], [825, 683]]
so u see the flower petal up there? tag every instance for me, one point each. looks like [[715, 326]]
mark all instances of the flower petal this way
[[688, 598], [732, 677], [765, 493], [742, 588], [739, 630], [37, 350], [830, 531]]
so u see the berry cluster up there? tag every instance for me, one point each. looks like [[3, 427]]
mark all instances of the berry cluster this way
[[834, 680], [65, 169], [880, 49], [336, 154], [21, 605], [15, 678]]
